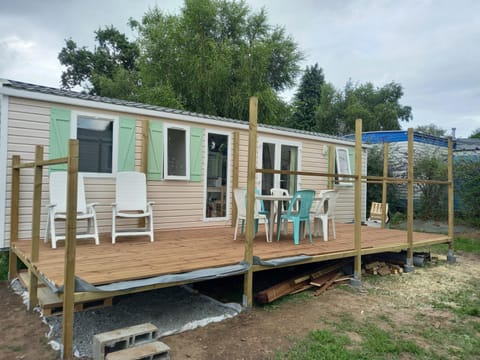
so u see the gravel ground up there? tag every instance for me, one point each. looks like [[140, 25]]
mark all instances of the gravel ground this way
[[172, 310]]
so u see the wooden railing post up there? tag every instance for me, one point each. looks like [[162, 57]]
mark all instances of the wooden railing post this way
[[14, 213], [384, 184], [70, 243], [451, 235], [37, 204], [250, 227], [409, 264], [357, 271]]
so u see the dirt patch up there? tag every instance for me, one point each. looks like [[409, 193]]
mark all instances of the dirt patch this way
[[258, 333]]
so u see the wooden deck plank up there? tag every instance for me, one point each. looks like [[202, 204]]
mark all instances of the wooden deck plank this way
[[193, 249]]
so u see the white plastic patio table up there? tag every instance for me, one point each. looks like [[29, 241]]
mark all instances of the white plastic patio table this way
[[279, 198]]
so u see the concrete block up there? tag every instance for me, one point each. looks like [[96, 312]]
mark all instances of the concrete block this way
[[124, 338], [151, 351]]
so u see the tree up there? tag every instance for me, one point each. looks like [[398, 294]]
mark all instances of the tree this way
[[379, 108], [329, 113], [475, 134], [431, 129], [210, 59], [433, 197], [113, 56], [307, 98]]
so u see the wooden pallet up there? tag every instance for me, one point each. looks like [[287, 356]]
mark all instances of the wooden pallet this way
[[51, 304]]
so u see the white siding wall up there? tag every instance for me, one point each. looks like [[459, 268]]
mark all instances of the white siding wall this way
[[178, 204]]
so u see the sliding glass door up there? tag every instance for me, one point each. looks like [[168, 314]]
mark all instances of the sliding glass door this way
[[279, 156]]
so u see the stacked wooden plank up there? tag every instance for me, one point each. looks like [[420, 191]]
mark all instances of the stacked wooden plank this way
[[321, 278]]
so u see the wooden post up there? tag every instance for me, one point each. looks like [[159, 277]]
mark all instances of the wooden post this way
[[409, 264], [250, 231], [14, 213], [357, 271], [37, 205], [70, 243], [331, 165], [451, 244], [384, 184], [235, 172]]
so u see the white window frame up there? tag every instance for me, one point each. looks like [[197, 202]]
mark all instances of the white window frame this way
[[229, 182], [97, 116], [343, 163], [166, 175], [278, 143]]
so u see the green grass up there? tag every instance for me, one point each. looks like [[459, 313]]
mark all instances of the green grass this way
[[430, 336], [3, 265], [375, 343], [464, 302]]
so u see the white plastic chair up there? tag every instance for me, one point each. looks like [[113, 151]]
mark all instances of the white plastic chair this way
[[57, 209], [283, 208], [324, 212], [131, 203], [240, 196]]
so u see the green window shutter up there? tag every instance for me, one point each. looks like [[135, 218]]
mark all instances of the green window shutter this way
[[126, 144], [155, 150], [351, 156], [59, 135], [196, 135]]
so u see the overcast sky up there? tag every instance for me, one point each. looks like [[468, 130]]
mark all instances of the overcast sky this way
[[432, 48]]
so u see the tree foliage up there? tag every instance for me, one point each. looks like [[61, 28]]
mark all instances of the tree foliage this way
[[379, 108], [433, 197], [431, 129], [210, 58], [467, 188], [307, 98], [114, 56], [475, 134]]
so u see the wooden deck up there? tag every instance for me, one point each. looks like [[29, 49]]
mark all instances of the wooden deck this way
[[182, 251]]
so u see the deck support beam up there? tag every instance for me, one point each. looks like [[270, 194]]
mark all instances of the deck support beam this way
[[357, 266], [409, 265], [251, 171]]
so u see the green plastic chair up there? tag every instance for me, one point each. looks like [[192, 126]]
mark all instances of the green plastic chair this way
[[304, 198]]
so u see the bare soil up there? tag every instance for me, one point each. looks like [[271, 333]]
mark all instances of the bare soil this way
[[260, 332]]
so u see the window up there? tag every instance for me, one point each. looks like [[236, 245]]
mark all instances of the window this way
[[342, 164], [177, 152], [95, 137]]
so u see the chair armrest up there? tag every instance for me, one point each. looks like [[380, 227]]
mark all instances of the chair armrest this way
[[51, 205], [151, 202]]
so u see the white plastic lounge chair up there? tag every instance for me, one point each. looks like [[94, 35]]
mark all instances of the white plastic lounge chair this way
[[57, 209], [131, 203]]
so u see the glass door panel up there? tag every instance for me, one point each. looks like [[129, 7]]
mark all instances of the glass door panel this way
[[217, 176], [268, 162], [288, 161]]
